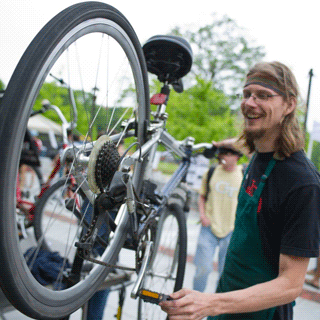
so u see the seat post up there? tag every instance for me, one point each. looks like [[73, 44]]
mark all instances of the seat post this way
[[166, 90]]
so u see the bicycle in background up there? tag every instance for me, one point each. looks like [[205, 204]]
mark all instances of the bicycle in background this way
[[31, 185], [112, 201]]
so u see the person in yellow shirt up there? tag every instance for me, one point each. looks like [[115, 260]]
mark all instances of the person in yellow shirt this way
[[217, 207]]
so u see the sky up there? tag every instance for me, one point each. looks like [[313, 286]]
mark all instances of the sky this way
[[288, 30]]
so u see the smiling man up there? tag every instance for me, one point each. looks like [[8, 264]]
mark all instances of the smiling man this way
[[277, 220]]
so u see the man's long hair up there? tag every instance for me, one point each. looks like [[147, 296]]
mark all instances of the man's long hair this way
[[291, 138]]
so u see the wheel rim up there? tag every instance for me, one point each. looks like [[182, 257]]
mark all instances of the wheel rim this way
[[117, 37], [76, 41]]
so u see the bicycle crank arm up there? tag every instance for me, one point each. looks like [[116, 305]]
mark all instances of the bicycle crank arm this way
[[145, 262]]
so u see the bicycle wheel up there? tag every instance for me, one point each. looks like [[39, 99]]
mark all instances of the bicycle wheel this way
[[93, 48], [167, 266], [51, 204]]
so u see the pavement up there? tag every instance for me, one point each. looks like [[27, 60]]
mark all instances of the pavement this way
[[307, 305]]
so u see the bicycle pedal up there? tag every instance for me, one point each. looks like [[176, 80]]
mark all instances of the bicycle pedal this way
[[153, 297]]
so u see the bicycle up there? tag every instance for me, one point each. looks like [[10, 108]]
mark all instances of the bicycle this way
[[31, 185], [113, 202]]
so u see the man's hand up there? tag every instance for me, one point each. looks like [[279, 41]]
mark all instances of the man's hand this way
[[193, 305], [205, 221], [203, 218], [227, 143], [187, 305]]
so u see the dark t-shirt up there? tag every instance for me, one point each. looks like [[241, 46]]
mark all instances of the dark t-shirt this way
[[288, 211]]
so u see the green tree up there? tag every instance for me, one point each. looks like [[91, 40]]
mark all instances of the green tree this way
[[222, 56], [59, 96], [2, 86], [315, 156], [202, 112], [222, 53]]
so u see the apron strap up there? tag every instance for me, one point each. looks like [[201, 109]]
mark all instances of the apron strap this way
[[264, 178]]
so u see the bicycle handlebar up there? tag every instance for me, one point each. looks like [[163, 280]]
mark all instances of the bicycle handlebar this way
[[203, 145], [46, 105]]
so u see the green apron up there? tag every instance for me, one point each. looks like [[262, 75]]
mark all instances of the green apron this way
[[245, 263]]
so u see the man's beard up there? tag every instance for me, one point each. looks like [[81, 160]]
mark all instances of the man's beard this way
[[252, 135]]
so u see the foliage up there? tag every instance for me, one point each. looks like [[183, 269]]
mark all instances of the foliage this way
[[315, 158], [2, 86], [315, 153], [222, 53], [167, 167], [59, 96], [222, 56], [201, 112]]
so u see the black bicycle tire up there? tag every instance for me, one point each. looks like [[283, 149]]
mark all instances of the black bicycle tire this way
[[38, 213], [177, 211], [16, 105]]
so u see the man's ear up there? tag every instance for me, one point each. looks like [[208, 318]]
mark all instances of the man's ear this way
[[291, 105]]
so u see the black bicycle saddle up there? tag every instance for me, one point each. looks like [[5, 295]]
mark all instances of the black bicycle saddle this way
[[168, 57]]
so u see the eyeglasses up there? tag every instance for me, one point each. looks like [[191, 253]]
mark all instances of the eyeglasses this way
[[260, 96]]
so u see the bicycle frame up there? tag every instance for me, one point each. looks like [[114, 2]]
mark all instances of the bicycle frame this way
[[183, 149], [144, 153]]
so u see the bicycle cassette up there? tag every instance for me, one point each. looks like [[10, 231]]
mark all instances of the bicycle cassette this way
[[103, 163]]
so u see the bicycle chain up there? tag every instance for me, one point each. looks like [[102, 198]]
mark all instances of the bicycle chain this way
[[84, 254], [148, 226], [108, 265]]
